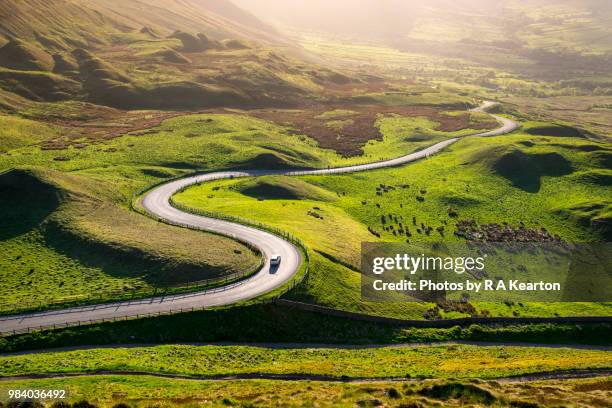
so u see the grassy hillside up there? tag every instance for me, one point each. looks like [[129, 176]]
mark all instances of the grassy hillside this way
[[145, 54], [95, 158], [94, 102], [535, 30], [100, 99], [86, 241], [523, 180], [18, 132], [576, 98], [67, 239], [81, 23]]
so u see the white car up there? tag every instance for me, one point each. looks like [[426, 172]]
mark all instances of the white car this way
[[275, 260]]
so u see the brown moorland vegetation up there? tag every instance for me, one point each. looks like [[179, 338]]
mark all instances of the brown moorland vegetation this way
[[355, 125]]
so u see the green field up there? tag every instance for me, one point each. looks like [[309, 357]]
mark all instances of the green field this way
[[67, 238], [95, 182], [81, 240], [63, 127], [143, 391], [456, 361], [85, 246], [477, 179]]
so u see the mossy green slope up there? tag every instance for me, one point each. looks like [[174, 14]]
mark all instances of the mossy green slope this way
[[534, 180], [65, 238]]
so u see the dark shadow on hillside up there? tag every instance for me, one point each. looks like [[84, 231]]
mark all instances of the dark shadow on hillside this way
[[26, 202], [270, 192], [267, 161], [525, 170], [596, 177], [601, 158], [283, 188], [554, 130], [123, 261]]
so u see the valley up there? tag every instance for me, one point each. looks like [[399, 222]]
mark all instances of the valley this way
[[155, 156]]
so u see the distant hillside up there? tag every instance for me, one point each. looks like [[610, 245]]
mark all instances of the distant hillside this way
[[175, 54], [509, 33], [549, 24], [81, 23]]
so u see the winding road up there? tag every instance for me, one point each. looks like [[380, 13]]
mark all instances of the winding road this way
[[157, 203]]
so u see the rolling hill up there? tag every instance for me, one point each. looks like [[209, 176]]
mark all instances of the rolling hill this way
[[506, 33], [137, 54], [79, 23]]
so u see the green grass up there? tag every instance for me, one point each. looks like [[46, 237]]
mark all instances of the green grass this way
[[336, 114], [275, 187], [18, 132], [211, 141], [273, 324], [430, 97], [456, 361], [57, 255], [409, 134], [480, 179], [144, 391], [98, 246], [116, 168], [91, 244]]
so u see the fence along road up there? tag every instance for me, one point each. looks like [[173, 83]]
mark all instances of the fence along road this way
[[157, 203]]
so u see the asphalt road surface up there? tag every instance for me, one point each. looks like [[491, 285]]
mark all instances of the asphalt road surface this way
[[157, 202]]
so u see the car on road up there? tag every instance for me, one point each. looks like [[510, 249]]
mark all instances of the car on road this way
[[275, 260]]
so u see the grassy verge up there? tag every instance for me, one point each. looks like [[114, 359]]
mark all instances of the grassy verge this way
[[455, 361], [271, 323]]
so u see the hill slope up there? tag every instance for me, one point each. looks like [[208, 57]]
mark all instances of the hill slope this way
[[133, 54], [548, 32], [79, 23]]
